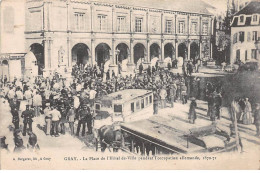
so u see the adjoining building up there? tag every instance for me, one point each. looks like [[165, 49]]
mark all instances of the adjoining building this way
[[12, 38], [61, 33], [245, 34]]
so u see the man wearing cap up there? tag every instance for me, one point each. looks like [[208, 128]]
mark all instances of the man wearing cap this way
[[15, 120], [27, 116]]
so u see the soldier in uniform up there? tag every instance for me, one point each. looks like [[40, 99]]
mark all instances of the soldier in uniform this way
[[82, 117], [15, 120], [89, 120], [27, 116]]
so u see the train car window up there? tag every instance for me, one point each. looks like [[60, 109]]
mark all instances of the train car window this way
[[146, 101], [132, 107], [98, 106], [150, 99], [118, 108], [142, 103], [138, 105]]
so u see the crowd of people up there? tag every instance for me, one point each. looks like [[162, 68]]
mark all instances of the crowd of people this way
[[64, 100]]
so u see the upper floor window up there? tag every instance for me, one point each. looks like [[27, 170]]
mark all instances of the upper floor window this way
[[205, 28], [248, 36], [168, 26], [121, 23], [138, 24], [253, 53], [235, 38], [102, 22], [194, 28], [241, 36], [181, 27], [254, 38], [79, 21]]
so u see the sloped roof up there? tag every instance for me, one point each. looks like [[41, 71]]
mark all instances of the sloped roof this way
[[192, 6], [251, 8]]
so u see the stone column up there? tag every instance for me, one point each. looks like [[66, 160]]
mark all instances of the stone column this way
[[148, 59], [92, 17], [188, 50], [176, 48], [200, 42], [69, 52], [131, 65], [93, 61], [113, 66]]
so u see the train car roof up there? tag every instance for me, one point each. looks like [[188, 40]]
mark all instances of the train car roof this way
[[167, 133], [126, 95]]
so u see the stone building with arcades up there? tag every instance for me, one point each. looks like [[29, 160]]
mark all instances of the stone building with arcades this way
[[61, 33]]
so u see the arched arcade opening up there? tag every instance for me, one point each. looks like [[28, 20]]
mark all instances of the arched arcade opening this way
[[80, 54]]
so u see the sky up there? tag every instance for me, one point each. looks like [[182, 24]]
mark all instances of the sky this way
[[220, 5]]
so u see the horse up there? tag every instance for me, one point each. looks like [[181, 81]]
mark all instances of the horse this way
[[109, 137]]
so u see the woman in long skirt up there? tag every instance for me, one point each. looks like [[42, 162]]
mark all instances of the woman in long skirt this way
[[192, 112], [247, 117]]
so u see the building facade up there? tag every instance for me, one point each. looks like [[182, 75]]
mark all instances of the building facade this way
[[245, 34], [12, 38], [62, 33]]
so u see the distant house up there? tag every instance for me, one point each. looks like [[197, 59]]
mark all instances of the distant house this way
[[245, 34]]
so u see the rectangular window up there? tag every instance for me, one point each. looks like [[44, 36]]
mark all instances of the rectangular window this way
[[79, 21], [150, 99], [254, 18], [146, 101], [241, 36], [253, 53], [194, 28], [121, 23], [138, 24], [132, 107], [168, 26], [137, 105], [238, 55], [254, 38], [205, 28], [118, 108], [248, 36], [181, 27], [241, 19], [235, 38], [142, 103], [102, 22]]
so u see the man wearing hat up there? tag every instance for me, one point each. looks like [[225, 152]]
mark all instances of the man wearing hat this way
[[27, 116], [55, 121], [82, 117]]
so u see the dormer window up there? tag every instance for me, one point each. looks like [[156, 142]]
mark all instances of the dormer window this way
[[241, 19], [255, 19]]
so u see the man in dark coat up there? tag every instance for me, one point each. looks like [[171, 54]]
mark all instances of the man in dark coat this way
[[15, 120], [89, 120], [141, 68], [18, 142], [149, 71], [82, 117], [27, 116], [218, 103]]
